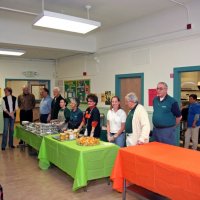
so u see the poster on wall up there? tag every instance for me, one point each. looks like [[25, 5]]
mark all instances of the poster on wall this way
[[103, 98], [152, 95], [70, 89], [107, 97], [83, 89], [77, 88]]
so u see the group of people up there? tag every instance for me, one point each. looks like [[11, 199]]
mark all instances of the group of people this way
[[122, 129], [25, 102], [135, 128]]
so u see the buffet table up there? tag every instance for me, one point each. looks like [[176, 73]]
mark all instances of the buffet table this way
[[83, 163], [29, 138], [165, 169]]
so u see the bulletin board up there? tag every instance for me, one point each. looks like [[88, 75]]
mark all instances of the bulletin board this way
[[77, 88]]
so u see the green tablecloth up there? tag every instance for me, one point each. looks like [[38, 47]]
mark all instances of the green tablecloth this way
[[80, 162], [30, 138]]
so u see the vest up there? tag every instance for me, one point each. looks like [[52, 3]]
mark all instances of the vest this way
[[5, 115]]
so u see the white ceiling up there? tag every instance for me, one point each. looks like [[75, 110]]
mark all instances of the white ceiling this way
[[109, 12]]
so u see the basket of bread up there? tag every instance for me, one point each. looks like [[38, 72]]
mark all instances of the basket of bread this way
[[88, 141]]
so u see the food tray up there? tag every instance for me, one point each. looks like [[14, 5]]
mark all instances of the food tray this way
[[57, 137], [88, 141]]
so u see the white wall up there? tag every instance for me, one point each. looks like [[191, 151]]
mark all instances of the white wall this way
[[155, 61], [153, 45], [14, 68]]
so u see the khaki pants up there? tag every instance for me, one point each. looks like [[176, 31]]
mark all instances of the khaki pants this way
[[194, 134]]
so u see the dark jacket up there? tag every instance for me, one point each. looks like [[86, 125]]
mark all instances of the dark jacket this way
[[5, 115], [55, 107]]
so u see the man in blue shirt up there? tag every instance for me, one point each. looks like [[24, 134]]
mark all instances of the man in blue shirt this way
[[45, 106], [193, 122], [166, 116]]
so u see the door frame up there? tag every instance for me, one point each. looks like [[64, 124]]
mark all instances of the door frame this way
[[118, 78], [177, 88], [177, 79]]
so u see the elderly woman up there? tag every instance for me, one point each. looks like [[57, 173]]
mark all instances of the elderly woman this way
[[137, 123], [76, 115], [116, 118], [91, 117]]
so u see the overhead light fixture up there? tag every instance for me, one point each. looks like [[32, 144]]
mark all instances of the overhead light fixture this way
[[65, 22], [11, 52]]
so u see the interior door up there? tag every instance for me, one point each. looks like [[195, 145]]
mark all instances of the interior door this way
[[130, 85]]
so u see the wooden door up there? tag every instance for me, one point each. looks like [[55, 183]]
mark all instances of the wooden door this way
[[130, 85]]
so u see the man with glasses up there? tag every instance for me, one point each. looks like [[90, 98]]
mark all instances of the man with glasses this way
[[166, 116]]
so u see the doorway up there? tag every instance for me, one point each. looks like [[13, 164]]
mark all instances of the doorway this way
[[178, 73], [125, 83]]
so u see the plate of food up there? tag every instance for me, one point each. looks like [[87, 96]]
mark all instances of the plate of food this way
[[88, 141]]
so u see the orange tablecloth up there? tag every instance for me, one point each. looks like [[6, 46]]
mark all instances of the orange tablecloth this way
[[165, 169]]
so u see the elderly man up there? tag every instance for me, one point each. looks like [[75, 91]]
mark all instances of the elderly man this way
[[166, 116], [137, 122], [55, 104], [26, 103]]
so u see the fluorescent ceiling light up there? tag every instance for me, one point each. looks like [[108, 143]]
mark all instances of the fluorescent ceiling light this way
[[65, 22], [12, 52]]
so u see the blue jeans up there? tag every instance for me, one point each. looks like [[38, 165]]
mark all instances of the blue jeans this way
[[120, 140], [165, 135], [8, 127]]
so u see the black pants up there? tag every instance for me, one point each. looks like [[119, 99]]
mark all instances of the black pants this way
[[1, 193], [43, 118], [25, 115]]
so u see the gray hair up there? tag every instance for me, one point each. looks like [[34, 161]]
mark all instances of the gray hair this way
[[132, 97], [75, 100], [56, 88], [163, 83]]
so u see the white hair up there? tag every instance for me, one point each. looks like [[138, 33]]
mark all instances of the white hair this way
[[131, 97], [163, 83], [56, 88]]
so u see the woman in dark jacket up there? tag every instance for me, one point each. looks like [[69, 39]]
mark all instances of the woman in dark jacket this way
[[91, 117]]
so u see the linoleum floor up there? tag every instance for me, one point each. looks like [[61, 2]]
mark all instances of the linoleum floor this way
[[22, 179]]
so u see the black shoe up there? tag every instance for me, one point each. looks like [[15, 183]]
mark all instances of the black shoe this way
[[21, 142], [3, 149], [12, 146]]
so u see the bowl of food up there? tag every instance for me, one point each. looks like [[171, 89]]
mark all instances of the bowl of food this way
[[88, 141], [25, 123]]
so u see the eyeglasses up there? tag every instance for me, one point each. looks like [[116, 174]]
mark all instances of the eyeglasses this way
[[159, 88], [90, 101]]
